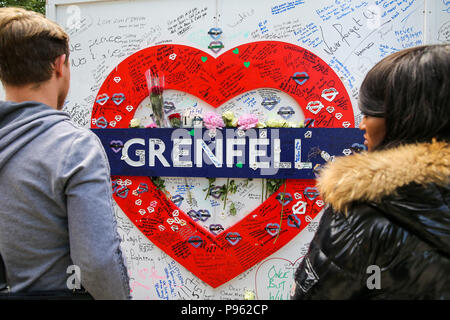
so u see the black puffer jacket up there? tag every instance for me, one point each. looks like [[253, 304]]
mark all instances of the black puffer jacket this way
[[386, 232]]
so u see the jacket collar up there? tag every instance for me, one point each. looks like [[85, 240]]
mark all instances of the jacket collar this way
[[370, 176]]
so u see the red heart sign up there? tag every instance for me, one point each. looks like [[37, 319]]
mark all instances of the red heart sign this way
[[220, 256]]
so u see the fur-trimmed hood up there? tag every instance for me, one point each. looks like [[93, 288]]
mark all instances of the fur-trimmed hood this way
[[370, 176]]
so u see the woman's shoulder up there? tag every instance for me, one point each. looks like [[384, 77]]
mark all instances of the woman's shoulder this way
[[373, 176]]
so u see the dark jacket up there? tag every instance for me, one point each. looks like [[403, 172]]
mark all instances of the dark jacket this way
[[386, 231]]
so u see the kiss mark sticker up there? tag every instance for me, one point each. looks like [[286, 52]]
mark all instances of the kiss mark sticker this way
[[116, 145], [118, 98], [314, 107], [293, 221], [300, 77], [233, 238], [195, 241], [286, 112], [270, 103], [215, 33], [102, 98], [272, 229], [215, 46], [311, 193], [329, 94]]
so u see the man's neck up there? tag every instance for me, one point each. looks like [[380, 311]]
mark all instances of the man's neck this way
[[43, 93]]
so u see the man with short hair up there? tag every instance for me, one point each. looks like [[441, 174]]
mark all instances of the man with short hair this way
[[56, 212]]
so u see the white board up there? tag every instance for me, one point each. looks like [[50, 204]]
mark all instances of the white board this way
[[349, 35]]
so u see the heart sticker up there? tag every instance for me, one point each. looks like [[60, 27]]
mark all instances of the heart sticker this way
[[212, 252]]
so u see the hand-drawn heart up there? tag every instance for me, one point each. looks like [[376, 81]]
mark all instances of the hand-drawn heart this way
[[276, 276], [220, 255]]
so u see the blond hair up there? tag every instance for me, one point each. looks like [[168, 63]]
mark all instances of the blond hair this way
[[29, 45]]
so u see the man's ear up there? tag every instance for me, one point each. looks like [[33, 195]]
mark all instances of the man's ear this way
[[59, 63]]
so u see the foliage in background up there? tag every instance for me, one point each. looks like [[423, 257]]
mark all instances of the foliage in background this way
[[34, 5]]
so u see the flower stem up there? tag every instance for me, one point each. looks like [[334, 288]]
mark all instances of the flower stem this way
[[281, 214], [226, 194]]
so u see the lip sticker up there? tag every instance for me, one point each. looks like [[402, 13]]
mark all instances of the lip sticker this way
[[215, 192], [116, 145], [118, 98], [168, 106], [284, 198], [311, 193], [329, 94], [102, 98], [177, 199], [215, 229], [272, 229], [215, 46], [314, 107], [101, 122], [270, 103], [142, 188], [201, 215], [357, 148], [286, 112], [233, 238], [346, 124], [195, 241], [122, 192], [293, 221], [299, 207], [300, 77], [215, 33]]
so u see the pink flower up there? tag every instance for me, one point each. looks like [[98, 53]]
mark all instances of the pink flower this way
[[247, 121], [152, 125], [212, 121]]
